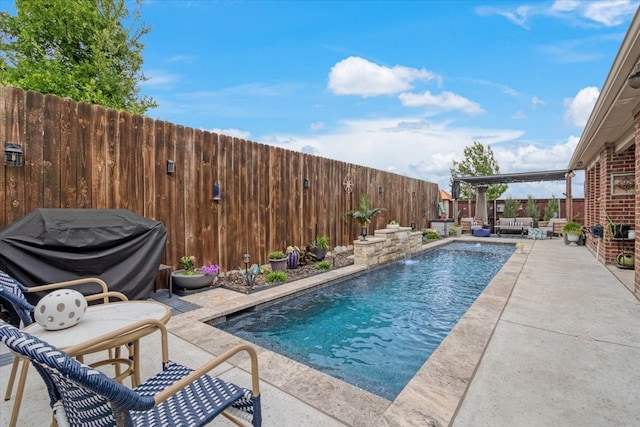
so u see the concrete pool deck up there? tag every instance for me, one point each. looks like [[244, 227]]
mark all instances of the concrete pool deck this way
[[553, 340]]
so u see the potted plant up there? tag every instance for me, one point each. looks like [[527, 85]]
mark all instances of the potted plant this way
[[455, 230], [364, 214], [573, 231], [278, 261], [320, 247], [393, 224], [190, 277]]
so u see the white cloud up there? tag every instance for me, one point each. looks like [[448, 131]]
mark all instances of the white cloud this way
[[242, 134], [536, 101], [519, 16], [160, 78], [518, 115], [316, 126], [608, 13], [443, 101], [565, 5], [579, 108], [357, 76]]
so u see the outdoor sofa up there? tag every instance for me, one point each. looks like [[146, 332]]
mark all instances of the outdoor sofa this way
[[514, 225]]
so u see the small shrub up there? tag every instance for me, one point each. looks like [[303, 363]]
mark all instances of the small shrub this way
[[277, 255], [322, 242], [276, 276], [431, 235], [264, 269], [323, 265]]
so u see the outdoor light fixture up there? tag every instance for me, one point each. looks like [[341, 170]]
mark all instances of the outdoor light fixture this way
[[363, 233], [305, 183], [634, 80], [216, 191], [13, 155], [171, 167], [413, 226], [380, 189], [245, 258], [249, 277]]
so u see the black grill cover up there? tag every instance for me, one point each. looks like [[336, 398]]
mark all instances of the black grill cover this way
[[55, 245]]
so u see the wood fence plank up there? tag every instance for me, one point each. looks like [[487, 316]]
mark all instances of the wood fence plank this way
[[33, 145], [99, 182], [15, 176], [84, 156], [4, 126], [51, 153], [113, 149], [136, 160]]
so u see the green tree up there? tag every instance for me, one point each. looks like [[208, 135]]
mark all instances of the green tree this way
[[532, 210], [552, 210], [477, 161], [79, 49], [511, 207]]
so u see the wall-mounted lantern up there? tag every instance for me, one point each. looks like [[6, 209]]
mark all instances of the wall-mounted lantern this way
[[305, 183], [171, 167], [216, 191], [380, 189], [13, 155]]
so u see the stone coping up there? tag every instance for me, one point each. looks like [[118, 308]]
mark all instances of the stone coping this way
[[430, 398]]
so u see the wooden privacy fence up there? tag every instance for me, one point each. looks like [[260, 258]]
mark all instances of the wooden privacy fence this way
[[85, 156]]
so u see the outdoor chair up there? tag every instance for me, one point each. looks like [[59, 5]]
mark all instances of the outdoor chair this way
[[177, 396], [13, 292]]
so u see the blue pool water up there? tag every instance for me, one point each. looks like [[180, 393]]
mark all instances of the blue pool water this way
[[376, 330]]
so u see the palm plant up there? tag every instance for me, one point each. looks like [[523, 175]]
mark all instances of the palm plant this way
[[364, 214]]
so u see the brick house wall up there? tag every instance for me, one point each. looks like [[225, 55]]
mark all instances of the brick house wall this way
[[620, 207]]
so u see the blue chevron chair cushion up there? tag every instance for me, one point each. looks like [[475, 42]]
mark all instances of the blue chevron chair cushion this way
[[90, 398]]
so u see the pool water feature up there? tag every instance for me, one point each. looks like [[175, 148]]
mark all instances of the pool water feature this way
[[376, 330]]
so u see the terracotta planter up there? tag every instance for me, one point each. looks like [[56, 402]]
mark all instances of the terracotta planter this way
[[195, 281]]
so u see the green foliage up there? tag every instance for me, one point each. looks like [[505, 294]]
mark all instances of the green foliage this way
[[277, 255], [365, 213], [553, 206], [322, 242], [265, 269], [323, 265], [477, 161], [431, 235], [79, 49], [532, 210], [572, 228], [511, 207], [276, 276]]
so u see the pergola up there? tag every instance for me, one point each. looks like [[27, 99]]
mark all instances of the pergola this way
[[481, 182]]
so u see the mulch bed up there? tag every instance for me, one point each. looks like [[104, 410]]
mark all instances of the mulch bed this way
[[235, 280]]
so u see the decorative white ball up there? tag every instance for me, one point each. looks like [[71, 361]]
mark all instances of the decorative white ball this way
[[60, 309]]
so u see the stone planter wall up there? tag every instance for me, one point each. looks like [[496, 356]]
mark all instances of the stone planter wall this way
[[387, 245]]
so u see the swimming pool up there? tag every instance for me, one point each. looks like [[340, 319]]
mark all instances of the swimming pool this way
[[376, 330]]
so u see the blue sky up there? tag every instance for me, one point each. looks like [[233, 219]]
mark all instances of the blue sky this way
[[401, 86]]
